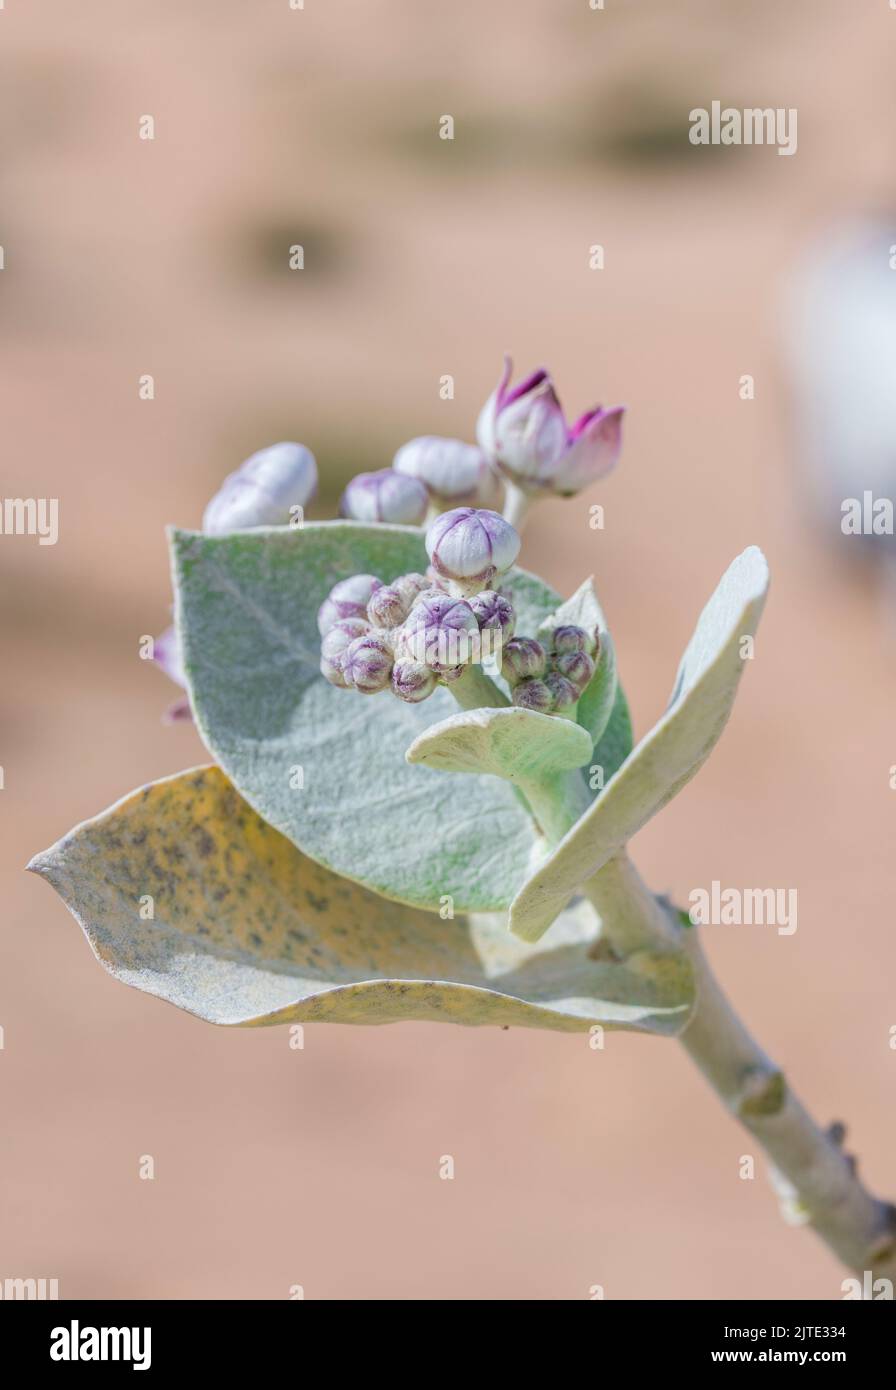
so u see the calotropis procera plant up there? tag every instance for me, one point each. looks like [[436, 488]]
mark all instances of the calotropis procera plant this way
[[425, 783]]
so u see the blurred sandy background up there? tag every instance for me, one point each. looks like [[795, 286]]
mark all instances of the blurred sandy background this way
[[123, 257]]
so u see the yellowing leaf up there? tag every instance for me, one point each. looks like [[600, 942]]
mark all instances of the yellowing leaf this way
[[186, 893]]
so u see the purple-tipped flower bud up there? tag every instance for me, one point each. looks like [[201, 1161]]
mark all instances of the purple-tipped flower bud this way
[[455, 474], [494, 613], [387, 607], [411, 586], [347, 599], [534, 695], [524, 431], [412, 681], [335, 645], [264, 491], [521, 659], [577, 667], [441, 632], [471, 547], [563, 693], [569, 638], [385, 496], [368, 662]]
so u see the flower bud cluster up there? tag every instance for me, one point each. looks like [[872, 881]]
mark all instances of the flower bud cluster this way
[[550, 679], [407, 636]]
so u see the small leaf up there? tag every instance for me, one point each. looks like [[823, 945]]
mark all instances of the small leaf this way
[[246, 930], [616, 742], [581, 609], [602, 709], [516, 744], [599, 696], [666, 758]]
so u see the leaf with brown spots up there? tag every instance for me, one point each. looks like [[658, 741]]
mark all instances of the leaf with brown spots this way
[[248, 930]]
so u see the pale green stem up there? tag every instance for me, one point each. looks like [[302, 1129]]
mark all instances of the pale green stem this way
[[516, 505], [475, 690], [557, 802], [815, 1176]]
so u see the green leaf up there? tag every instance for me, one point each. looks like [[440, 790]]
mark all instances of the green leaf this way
[[615, 743], [532, 751], [247, 609], [246, 930], [581, 609], [667, 758], [598, 699], [603, 708], [516, 744]]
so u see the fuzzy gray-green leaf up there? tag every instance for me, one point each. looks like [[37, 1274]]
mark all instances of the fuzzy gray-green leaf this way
[[515, 744], [247, 607]]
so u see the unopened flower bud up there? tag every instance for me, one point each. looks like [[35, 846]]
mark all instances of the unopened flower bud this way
[[569, 638], [412, 681], [385, 496], [455, 474], [387, 607], [368, 662], [441, 632], [521, 659], [494, 613], [263, 491], [347, 599], [410, 586], [563, 693], [534, 695], [577, 667], [335, 645], [471, 546]]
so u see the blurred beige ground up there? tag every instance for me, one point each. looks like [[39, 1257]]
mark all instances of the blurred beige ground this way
[[122, 257]]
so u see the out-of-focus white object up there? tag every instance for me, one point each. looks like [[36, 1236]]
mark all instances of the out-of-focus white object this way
[[841, 336], [271, 488]]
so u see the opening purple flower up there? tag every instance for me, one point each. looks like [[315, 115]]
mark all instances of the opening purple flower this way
[[524, 431]]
